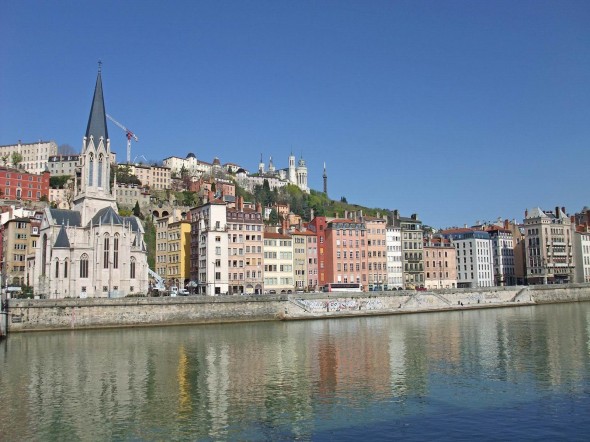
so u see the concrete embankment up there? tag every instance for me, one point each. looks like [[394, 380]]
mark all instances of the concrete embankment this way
[[29, 315]]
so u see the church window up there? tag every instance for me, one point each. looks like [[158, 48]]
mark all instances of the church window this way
[[132, 268], [90, 169], [66, 268], [84, 266], [56, 268], [105, 257], [100, 165], [116, 252], [44, 255]]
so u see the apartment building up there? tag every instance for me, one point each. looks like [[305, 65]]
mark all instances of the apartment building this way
[[279, 275], [475, 261], [178, 256], [393, 243], [300, 258], [503, 253], [18, 185], [549, 248], [34, 155], [345, 255], [376, 252], [440, 263], [245, 254], [581, 245], [412, 253], [318, 226], [19, 238], [155, 177], [209, 248], [59, 165]]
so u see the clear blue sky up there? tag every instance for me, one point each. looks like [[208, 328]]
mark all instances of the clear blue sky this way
[[456, 110]]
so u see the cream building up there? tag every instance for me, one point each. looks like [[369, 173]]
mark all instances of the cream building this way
[[549, 248], [156, 177], [91, 251], [279, 275], [35, 156]]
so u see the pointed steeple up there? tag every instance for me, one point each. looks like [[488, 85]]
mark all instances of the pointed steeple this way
[[97, 121], [62, 241]]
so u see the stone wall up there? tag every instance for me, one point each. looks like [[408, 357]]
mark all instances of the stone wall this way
[[26, 315]]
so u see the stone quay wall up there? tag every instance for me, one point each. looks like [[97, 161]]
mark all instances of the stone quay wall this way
[[29, 315]]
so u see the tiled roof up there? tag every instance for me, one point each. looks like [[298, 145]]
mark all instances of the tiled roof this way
[[66, 217]]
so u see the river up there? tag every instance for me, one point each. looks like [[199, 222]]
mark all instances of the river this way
[[520, 373]]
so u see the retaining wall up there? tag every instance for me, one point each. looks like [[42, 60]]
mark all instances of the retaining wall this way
[[28, 315]]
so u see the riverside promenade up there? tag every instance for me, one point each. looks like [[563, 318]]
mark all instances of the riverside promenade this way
[[37, 315]]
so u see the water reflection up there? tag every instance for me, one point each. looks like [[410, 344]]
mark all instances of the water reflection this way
[[285, 380]]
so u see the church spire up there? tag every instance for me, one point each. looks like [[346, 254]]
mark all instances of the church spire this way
[[97, 121]]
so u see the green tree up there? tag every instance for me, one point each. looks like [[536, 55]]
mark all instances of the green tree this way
[[16, 158], [150, 241], [4, 159], [137, 209], [273, 217]]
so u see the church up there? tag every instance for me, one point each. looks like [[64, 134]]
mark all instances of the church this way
[[91, 251]]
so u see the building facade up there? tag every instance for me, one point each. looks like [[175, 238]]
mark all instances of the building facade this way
[[440, 263], [19, 185], [35, 156], [155, 177], [59, 165], [412, 253], [549, 249], [393, 241], [279, 276], [345, 252], [475, 258]]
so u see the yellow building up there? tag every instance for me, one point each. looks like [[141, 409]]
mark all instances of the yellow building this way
[[179, 258]]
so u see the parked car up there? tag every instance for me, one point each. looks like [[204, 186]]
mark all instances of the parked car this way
[[183, 292]]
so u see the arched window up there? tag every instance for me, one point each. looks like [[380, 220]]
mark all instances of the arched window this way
[[66, 268], [105, 252], [44, 255], [132, 268], [100, 165], [91, 169], [56, 268], [116, 251], [84, 266]]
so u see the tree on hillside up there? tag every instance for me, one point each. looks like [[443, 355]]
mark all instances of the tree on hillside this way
[[16, 158], [137, 210], [273, 217], [4, 159]]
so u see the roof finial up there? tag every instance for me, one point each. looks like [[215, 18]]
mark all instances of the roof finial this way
[[99, 66]]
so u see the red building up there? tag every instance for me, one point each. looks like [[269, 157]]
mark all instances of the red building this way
[[19, 185]]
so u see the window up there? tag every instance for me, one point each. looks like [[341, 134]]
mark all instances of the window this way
[[116, 252], [84, 266], [132, 269], [106, 252], [56, 268], [66, 268]]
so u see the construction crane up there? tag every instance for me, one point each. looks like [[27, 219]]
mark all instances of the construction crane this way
[[129, 135]]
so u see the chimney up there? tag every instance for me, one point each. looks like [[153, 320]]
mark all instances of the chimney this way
[[259, 207], [395, 214], [240, 202], [506, 224], [414, 216], [209, 196], [556, 210], [563, 210]]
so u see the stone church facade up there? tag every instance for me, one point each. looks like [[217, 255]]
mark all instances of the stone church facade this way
[[91, 251]]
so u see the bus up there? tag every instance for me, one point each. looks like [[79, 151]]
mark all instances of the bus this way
[[343, 287]]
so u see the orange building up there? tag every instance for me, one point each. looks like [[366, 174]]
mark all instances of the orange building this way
[[345, 255]]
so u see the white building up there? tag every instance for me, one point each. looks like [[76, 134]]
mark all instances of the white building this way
[[582, 254], [34, 155], [279, 276], [475, 259], [393, 242], [209, 262], [91, 250], [503, 250]]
